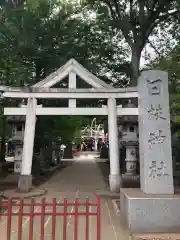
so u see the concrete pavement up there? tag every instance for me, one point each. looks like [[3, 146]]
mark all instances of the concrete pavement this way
[[79, 180]]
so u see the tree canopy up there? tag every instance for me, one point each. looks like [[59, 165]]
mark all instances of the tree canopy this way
[[108, 37], [37, 37], [136, 20]]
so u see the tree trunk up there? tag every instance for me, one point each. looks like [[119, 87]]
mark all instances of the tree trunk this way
[[3, 134], [4, 103], [135, 63], [3, 150]]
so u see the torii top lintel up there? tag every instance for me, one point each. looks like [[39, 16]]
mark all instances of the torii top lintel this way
[[72, 66], [44, 88]]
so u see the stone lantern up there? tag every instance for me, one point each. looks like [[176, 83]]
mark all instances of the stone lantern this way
[[17, 138], [131, 157], [128, 127], [56, 153]]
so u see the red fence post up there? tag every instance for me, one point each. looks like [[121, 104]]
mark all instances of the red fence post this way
[[54, 220], [1, 208], [98, 218], [9, 219], [31, 217], [87, 219], [20, 213], [76, 219], [65, 220], [43, 207]]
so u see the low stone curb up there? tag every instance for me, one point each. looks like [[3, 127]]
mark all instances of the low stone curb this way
[[108, 194], [15, 194]]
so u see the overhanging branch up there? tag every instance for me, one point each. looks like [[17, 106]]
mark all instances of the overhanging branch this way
[[155, 49], [166, 16], [124, 25]]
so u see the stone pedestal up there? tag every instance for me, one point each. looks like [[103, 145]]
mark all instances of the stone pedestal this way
[[149, 213], [25, 183]]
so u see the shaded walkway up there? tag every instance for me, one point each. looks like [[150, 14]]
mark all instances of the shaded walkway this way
[[84, 179], [81, 175]]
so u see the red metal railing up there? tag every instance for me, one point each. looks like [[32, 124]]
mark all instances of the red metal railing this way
[[30, 213]]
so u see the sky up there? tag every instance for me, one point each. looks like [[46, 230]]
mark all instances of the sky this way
[[163, 42], [143, 60]]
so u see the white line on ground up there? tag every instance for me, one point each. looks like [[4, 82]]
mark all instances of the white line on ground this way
[[114, 230], [72, 209], [2, 223], [47, 221], [70, 216], [116, 207]]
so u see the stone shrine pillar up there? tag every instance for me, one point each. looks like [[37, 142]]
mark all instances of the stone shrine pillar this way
[[114, 176], [25, 179], [154, 208], [156, 172]]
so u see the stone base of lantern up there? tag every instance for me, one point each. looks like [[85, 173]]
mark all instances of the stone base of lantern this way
[[127, 177], [149, 213]]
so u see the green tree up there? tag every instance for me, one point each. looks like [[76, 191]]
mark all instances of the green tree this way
[[137, 20]]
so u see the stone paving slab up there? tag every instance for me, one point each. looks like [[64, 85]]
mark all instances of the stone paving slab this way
[[10, 179], [156, 236]]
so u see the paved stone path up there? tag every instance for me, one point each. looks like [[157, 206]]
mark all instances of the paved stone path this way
[[80, 179]]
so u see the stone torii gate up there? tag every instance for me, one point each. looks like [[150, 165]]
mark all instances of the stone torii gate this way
[[44, 90], [148, 204]]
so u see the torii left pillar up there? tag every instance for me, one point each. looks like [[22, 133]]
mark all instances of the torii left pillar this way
[[25, 179]]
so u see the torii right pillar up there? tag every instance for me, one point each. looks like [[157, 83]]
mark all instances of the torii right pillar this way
[[114, 176]]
